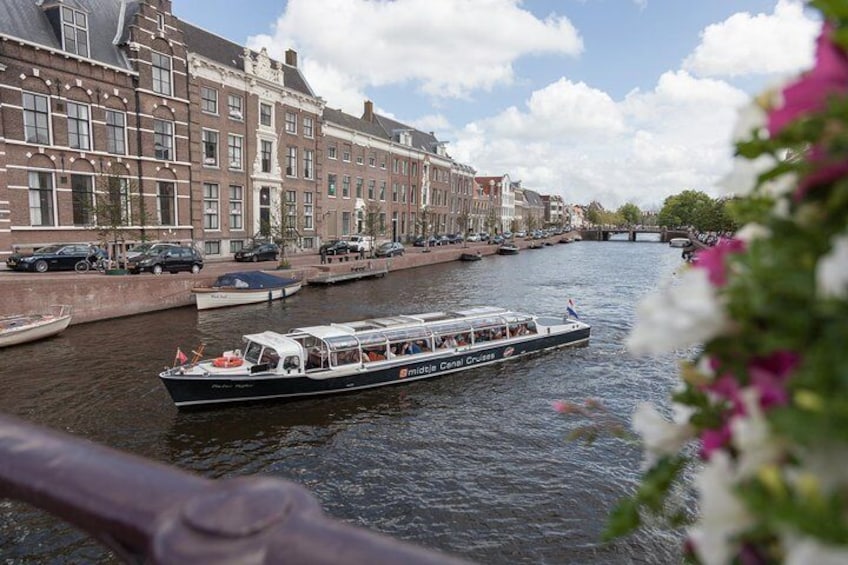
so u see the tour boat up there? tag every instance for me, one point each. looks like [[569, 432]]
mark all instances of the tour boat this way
[[235, 289], [23, 328], [344, 357], [471, 256], [679, 242]]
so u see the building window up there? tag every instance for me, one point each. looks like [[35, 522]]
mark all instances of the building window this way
[[291, 213], [382, 222], [346, 154], [118, 209], [372, 160], [331, 185], [291, 122], [210, 206], [308, 129], [308, 169], [372, 185], [394, 192], [359, 187], [235, 107], [234, 145], [82, 200], [236, 245], [161, 73], [265, 210], [208, 100], [75, 31], [236, 206], [265, 114], [79, 136], [359, 160], [41, 199], [307, 243], [36, 119], [160, 22], [210, 148], [383, 191], [116, 133], [308, 211], [167, 203], [265, 150], [345, 223], [345, 186], [291, 161], [163, 139], [212, 247], [403, 193], [331, 152]]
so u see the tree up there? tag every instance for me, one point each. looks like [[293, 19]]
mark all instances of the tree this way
[[593, 212], [373, 226], [630, 213], [493, 220], [689, 208], [113, 209], [462, 218], [283, 228]]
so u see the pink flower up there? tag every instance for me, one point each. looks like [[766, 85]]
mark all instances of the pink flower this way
[[713, 259], [566, 407], [712, 440], [769, 376], [810, 93]]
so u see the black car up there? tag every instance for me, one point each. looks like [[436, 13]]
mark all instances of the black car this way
[[335, 247], [173, 260], [389, 249], [148, 249], [62, 257], [258, 252], [421, 241]]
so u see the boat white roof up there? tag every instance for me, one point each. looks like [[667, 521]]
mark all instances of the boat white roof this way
[[269, 338], [397, 322]]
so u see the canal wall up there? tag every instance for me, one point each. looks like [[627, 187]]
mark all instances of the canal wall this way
[[94, 296]]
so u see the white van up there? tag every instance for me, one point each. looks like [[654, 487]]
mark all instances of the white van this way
[[359, 243]]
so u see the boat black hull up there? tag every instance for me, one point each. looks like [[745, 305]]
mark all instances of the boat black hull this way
[[196, 391]]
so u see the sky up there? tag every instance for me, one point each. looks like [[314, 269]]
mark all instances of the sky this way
[[614, 101]]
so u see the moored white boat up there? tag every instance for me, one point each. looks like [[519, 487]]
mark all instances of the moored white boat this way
[[508, 249], [24, 328], [251, 287], [679, 242], [345, 357]]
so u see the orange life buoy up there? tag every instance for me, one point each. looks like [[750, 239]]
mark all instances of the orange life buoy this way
[[227, 362]]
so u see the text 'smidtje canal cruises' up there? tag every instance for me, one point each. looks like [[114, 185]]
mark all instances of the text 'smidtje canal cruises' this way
[[369, 353]]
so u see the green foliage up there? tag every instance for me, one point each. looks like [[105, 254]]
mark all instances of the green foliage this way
[[630, 213]]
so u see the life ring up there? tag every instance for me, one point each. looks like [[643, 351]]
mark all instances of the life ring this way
[[227, 362]]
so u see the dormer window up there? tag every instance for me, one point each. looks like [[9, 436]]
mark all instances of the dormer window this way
[[75, 31]]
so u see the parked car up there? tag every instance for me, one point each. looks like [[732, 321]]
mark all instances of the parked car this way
[[421, 241], [497, 240], [389, 249], [51, 258], [258, 252], [455, 238], [173, 260], [358, 243], [473, 237], [335, 247], [148, 249]]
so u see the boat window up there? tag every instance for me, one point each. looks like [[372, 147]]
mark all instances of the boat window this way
[[291, 362], [369, 339], [522, 328], [407, 334], [341, 342], [269, 357], [251, 354], [346, 356], [450, 327]]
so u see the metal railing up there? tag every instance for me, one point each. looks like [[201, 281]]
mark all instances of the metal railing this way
[[151, 513]]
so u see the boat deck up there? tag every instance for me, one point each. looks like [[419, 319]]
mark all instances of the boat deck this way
[[356, 273]]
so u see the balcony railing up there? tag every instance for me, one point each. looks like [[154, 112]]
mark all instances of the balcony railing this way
[[149, 512]]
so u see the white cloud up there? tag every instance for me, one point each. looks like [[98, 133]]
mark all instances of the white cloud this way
[[745, 44], [445, 48]]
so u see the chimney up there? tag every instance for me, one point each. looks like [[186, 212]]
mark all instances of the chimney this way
[[369, 111], [291, 58]]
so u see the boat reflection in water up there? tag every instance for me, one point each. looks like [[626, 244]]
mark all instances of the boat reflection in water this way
[[321, 360]]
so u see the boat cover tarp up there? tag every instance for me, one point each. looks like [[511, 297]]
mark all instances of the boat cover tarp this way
[[253, 280]]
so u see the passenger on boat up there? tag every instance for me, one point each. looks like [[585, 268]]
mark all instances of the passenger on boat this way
[[449, 341], [374, 355], [413, 348]]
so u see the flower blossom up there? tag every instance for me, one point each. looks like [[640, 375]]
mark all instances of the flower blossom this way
[[832, 270], [660, 436], [769, 375], [722, 517], [752, 437], [678, 316], [713, 261], [810, 93]]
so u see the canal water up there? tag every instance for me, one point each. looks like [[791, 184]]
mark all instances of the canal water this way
[[476, 464]]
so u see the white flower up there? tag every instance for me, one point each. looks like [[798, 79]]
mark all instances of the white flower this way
[[752, 231], [678, 316], [752, 437], [722, 515], [660, 436], [804, 551], [744, 176], [832, 270]]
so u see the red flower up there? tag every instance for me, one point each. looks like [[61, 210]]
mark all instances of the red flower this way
[[810, 93], [769, 376], [712, 259]]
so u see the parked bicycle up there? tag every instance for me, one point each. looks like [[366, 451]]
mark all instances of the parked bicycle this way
[[97, 260]]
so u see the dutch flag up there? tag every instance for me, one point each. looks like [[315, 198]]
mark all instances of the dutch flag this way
[[570, 310]]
